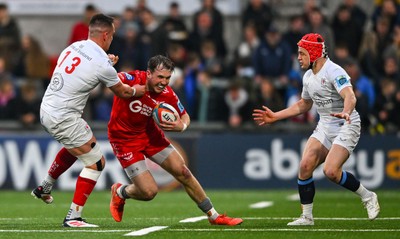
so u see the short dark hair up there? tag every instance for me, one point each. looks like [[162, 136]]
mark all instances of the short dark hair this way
[[100, 22], [160, 61]]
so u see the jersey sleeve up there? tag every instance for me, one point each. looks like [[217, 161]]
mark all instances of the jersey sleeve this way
[[132, 78], [175, 102], [340, 79], [108, 75], [304, 92]]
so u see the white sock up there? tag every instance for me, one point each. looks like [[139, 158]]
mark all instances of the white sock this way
[[48, 183], [363, 192], [75, 211], [307, 209], [212, 214]]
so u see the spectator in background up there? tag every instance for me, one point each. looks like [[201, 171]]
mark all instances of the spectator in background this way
[[190, 87], [212, 63], [205, 31], [127, 18], [384, 37], [268, 95], [341, 53], [260, 14], [388, 9], [141, 5], [10, 38], [216, 17], [174, 26], [244, 52], [81, 28], [178, 54], [7, 94], [369, 57], [272, 59], [130, 48], [387, 108], [26, 105], [239, 105], [102, 106], [318, 24], [357, 14], [363, 89], [209, 99], [34, 63], [346, 30], [294, 33], [393, 50], [152, 35]]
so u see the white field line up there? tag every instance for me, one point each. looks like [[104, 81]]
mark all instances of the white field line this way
[[145, 231], [260, 205], [247, 218], [282, 229], [193, 219]]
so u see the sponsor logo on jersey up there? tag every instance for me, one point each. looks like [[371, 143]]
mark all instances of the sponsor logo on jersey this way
[[137, 106], [129, 76], [180, 106], [341, 80], [57, 82]]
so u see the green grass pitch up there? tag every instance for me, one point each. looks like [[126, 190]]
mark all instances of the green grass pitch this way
[[337, 213]]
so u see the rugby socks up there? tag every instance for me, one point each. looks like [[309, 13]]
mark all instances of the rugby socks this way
[[347, 180], [307, 192], [61, 163], [84, 187], [121, 192], [207, 207], [75, 211], [351, 183]]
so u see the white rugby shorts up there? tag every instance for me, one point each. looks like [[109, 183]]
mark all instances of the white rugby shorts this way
[[345, 135], [71, 132]]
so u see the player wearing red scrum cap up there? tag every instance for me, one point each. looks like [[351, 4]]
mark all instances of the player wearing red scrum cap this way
[[328, 86]]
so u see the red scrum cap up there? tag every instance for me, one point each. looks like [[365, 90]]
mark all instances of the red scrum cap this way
[[314, 44]]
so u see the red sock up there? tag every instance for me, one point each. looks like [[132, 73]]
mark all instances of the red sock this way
[[84, 188], [61, 163]]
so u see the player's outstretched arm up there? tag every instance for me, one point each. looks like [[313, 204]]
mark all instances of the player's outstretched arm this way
[[264, 116]]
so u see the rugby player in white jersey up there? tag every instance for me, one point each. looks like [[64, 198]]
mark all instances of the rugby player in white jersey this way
[[80, 68], [328, 86]]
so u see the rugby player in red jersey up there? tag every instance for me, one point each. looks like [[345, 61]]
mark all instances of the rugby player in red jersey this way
[[134, 136]]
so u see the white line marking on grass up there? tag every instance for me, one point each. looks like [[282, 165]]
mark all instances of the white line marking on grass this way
[[323, 218], [145, 231], [281, 229], [263, 204], [193, 219], [293, 197], [64, 231]]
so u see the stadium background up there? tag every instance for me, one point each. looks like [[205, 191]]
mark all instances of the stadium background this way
[[219, 155]]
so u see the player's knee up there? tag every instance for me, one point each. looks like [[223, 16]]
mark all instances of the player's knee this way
[[186, 172], [332, 174], [149, 193], [305, 167]]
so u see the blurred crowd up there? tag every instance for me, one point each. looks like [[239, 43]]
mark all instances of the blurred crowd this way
[[216, 84]]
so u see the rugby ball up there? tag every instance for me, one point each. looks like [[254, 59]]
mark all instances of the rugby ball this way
[[164, 112]]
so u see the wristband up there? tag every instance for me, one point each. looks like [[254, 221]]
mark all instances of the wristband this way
[[184, 127], [134, 91]]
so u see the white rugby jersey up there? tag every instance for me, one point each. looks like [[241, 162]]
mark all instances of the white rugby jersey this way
[[80, 68], [324, 87]]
